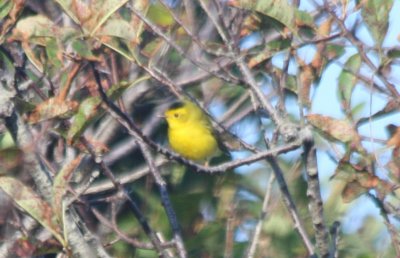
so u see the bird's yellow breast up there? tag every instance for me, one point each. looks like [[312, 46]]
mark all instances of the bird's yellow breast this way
[[193, 141]]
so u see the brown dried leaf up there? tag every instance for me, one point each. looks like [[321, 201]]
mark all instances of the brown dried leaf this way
[[306, 80], [352, 191], [325, 28], [52, 108], [341, 130], [360, 183], [394, 139]]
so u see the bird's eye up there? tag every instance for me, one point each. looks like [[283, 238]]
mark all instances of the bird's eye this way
[[176, 115]]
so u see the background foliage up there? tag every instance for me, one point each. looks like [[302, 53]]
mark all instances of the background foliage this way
[[85, 165]]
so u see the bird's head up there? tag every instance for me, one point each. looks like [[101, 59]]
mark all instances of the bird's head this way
[[177, 114]]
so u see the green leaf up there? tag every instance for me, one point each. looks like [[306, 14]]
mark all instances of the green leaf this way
[[10, 159], [121, 47], [279, 10], [291, 84], [91, 16], [36, 28], [304, 18], [376, 16], [104, 9], [32, 204], [54, 52], [394, 53], [357, 109], [347, 80], [6, 140], [5, 8], [82, 49], [118, 28], [7, 67], [160, 15], [90, 110], [334, 51]]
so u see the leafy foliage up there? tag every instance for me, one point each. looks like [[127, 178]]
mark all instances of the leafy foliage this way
[[83, 152]]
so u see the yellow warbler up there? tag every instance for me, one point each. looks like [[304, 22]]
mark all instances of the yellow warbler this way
[[190, 133]]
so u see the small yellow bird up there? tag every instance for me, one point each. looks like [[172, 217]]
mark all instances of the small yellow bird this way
[[190, 132]]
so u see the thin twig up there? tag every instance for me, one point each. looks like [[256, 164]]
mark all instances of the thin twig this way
[[132, 204], [291, 206], [257, 231], [230, 232], [394, 234], [359, 45], [182, 52], [117, 113]]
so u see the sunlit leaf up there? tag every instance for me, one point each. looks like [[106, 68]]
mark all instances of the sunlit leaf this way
[[347, 80], [54, 52], [83, 49], [102, 10], [357, 109], [152, 48], [303, 18], [32, 204], [334, 51], [36, 28], [118, 28], [325, 28], [376, 15], [91, 15], [280, 10], [341, 130], [6, 140], [5, 8], [160, 15]]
